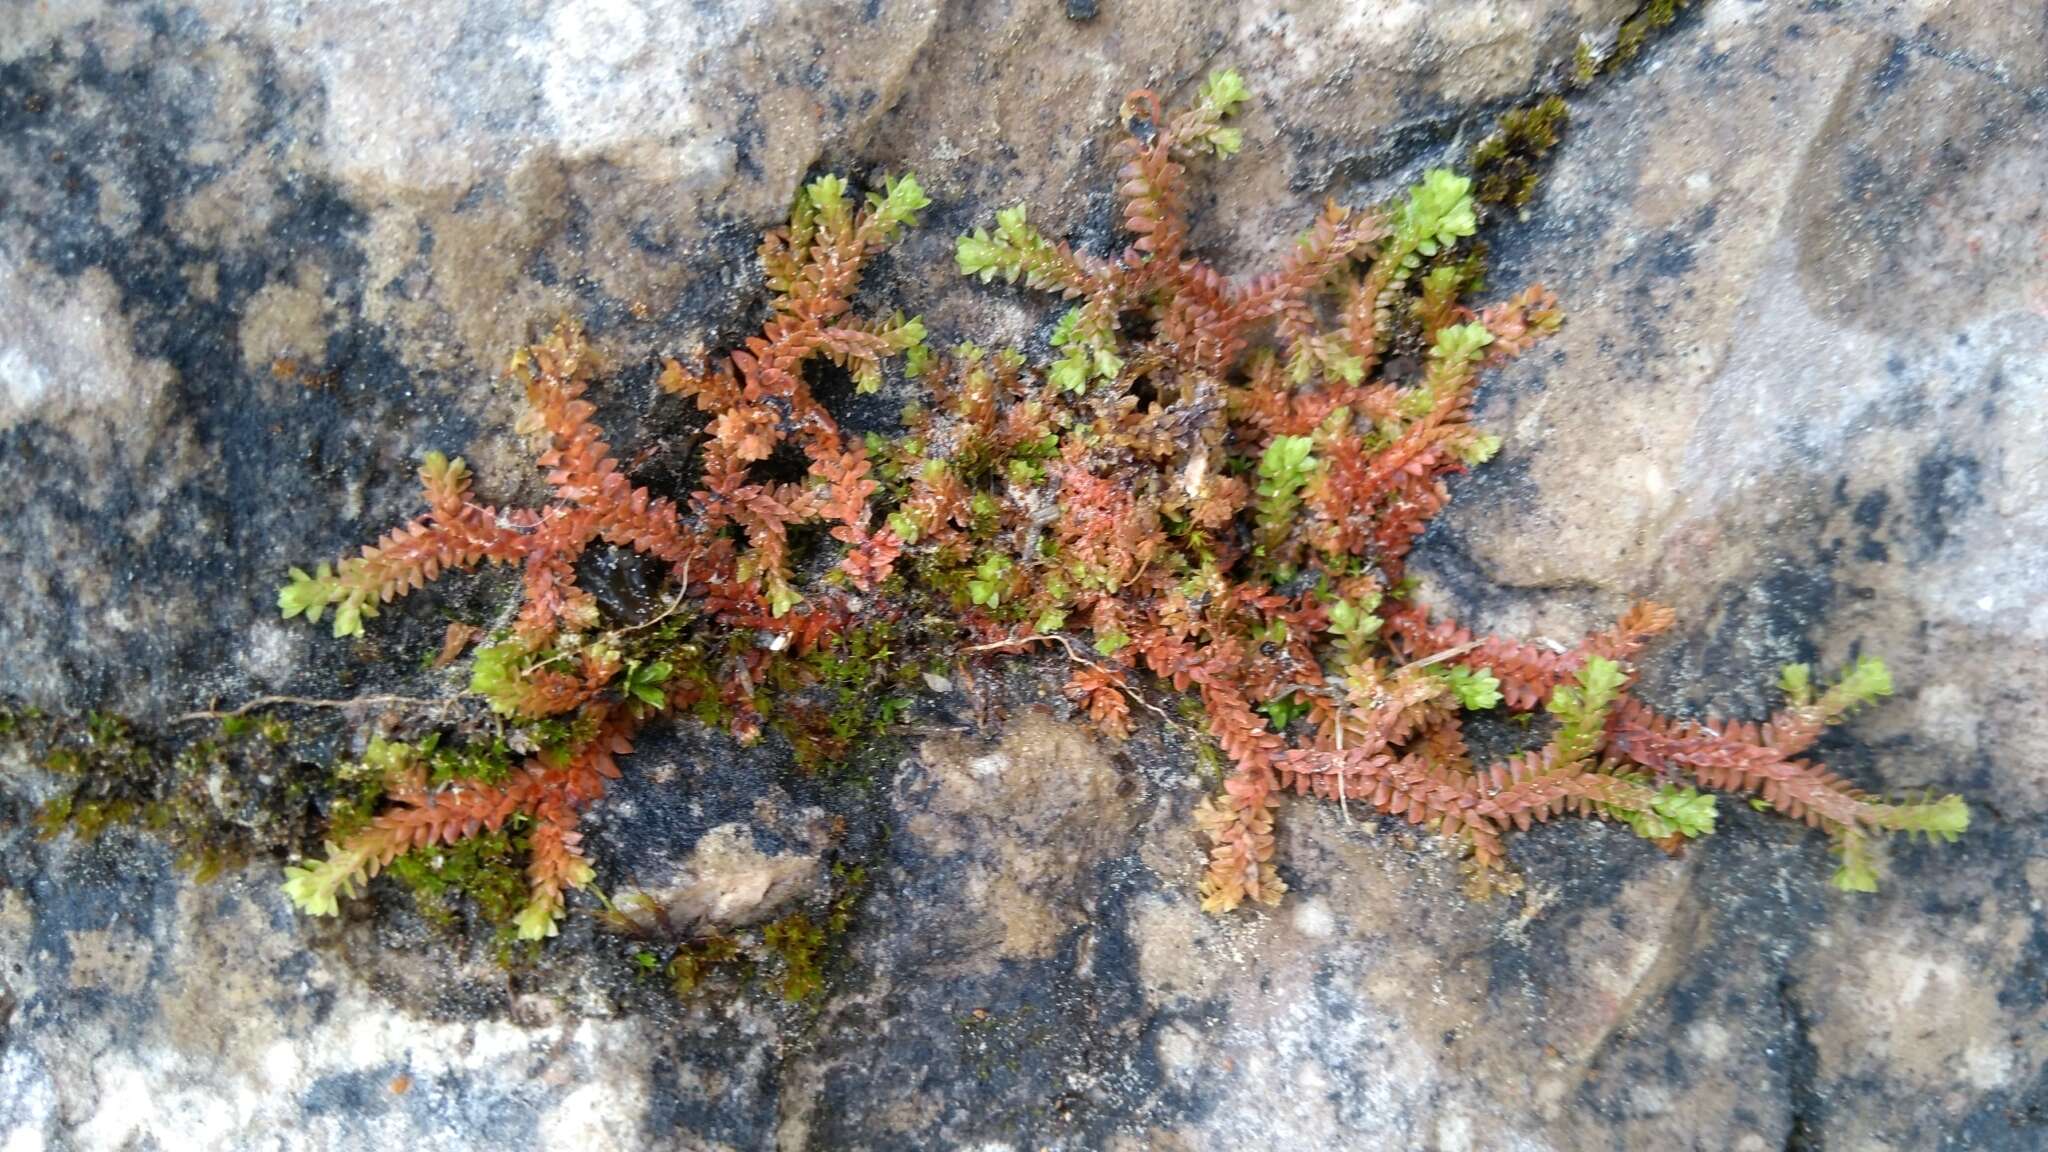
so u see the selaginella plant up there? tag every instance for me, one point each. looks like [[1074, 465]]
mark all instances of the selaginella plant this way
[[1210, 485], [585, 685]]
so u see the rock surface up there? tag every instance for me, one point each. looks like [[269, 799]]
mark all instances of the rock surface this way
[[257, 258]]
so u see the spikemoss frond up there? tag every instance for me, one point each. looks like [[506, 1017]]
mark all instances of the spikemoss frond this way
[[1437, 214]]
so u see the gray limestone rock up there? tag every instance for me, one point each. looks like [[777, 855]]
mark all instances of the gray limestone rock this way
[[257, 258]]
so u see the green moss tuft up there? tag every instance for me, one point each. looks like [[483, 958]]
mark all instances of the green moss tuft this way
[[484, 873], [1508, 165]]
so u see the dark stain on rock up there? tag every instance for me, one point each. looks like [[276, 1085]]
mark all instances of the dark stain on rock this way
[[1946, 487], [1889, 75], [1899, 144], [1021, 1031], [221, 536], [2007, 1119], [116, 881], [1802, 1073], [1737, 940], [1395, 155], [1869, 518], [1755, 630], [1671, 256], [732, 1102], [484, 1114]]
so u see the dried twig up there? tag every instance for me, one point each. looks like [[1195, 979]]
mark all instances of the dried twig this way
[[311, 702]]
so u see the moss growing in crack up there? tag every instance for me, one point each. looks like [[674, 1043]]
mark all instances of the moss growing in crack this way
[[483, 872], [217, 801], [1636, 30], [1645, 23], [804, 945], [798, 946], [1508, 165], [694, 964], [794, 954], [852, 688]]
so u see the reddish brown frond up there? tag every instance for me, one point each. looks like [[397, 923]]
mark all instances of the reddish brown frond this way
[[1738, 756], [1101, 691]]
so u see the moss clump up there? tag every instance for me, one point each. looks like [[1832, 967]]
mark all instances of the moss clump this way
[[1636, 30], [482, 872], [855, 685], [698, 961], [218, 801], [799, 945], [1508, 165], [1647, 21], [804, 947]]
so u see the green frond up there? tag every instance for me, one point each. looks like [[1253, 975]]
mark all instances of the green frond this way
[[1004, 252], [978, 254], [643, 681], [781, 598], [1341, 362], [1084, 359], [537, 921], [1354, 622], [1437, 215], [1866, 681], [1217, 100], [311, 594], [1796, 682], [444, 477], [1285, 469], [1478, 449], [918, 361], [387, 758], [1477, 689], [1282, 710], [1440, 285], [1286, 464], [1943, 819], [1581, 708], [497, 675], [1598, 682], [990, 582], [349, 614], [318, 887], [899, 202], [1063, 330], [905, 334], [827, 198], [1690, 812], [1223, 91], [1460, 343], [1857, 871], [541, 917]]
